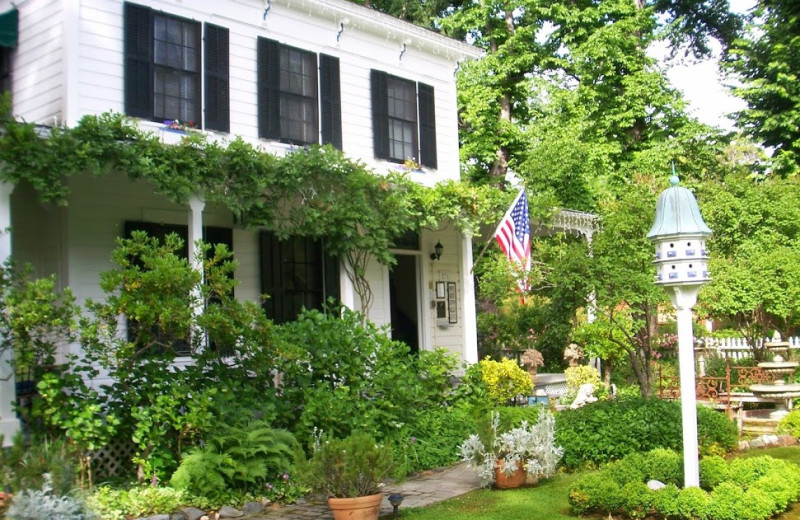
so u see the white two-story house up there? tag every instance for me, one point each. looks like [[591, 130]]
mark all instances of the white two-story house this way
[[278, 73]]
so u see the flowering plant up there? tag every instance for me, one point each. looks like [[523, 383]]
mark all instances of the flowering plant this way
[[348, 468], [174, 124], [532, 447]]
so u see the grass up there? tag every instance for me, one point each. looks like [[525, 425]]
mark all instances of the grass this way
[[548, 500]]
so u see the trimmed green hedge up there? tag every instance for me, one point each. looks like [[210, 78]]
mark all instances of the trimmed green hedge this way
[[743, 489], [610, 430]]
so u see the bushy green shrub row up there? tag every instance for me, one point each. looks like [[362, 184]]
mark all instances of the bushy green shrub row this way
[[742, 489], [610, 430]]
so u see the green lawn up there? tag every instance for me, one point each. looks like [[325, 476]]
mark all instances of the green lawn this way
[[545, 501]]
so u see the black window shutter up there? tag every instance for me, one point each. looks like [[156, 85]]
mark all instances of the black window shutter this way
[[330, 100], [380, 114], [269, 76], [427, 126], [138, 82], [217, 76]]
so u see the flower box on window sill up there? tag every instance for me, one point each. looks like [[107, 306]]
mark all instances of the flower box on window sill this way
[[404, 168], [177, 127]]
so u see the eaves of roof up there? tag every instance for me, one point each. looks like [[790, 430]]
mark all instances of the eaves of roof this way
[[392, 28]]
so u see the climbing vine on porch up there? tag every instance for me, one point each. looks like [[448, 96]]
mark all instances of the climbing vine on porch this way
[[314, 192]]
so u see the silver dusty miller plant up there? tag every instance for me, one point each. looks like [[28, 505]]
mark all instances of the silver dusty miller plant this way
[[43, 505], [531, 446]]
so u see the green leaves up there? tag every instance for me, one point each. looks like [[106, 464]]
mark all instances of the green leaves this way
[[765, 62]]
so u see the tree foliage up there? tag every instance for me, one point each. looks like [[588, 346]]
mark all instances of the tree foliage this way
[[755, 259], [766, 63]]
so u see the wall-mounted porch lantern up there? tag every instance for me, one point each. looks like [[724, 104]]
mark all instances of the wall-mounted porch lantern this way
[[437, 251]]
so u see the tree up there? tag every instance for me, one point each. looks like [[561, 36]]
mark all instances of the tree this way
[[627, 299], [596, 49], [766, 62], [755, 258]]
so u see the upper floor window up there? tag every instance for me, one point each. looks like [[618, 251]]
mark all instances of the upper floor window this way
[[295, 103], [403, 120], [164, 69]]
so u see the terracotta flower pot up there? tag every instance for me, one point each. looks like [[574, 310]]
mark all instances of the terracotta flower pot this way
[[504, 481], [359, 508]]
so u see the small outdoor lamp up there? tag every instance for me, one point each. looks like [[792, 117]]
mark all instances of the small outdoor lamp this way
[[395, 499], [437, 250], [681, 259]]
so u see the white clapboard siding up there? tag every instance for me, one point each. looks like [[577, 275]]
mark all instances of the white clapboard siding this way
[[57, 82]]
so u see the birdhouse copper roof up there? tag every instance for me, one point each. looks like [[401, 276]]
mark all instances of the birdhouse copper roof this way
[[677, 214]]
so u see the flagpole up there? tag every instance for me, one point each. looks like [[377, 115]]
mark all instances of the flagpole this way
[[489, 242]]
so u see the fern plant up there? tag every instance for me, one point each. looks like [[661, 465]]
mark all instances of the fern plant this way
[[237, 457]]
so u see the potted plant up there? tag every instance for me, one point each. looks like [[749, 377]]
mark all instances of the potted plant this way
[[531, 359], [508, 459], [349, 472]]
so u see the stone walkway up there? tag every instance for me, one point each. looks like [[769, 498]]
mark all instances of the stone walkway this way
[[428, 488]]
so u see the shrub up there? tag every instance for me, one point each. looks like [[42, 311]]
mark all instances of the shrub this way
[[112, 504], [239, 458], [41, 505], [713, 470], [581, 375], [504, 380], [692, 504], [348, 468], [665, 501], [790, 424], [432, 440], [595, 492], [739, 490], [607, 431], [344, 374], [637, 499], [39, 464]]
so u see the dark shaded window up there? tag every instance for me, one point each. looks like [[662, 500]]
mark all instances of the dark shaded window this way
[[176, 56], [403, 120], [298, 95], [5, 69], [163, 69], [296, 273], [292, 96], [402, 114]]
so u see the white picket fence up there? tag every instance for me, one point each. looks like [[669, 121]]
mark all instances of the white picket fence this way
[[738, 348]]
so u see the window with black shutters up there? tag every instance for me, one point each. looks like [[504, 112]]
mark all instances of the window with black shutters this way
[[296, 273], [299, 100], [403, 120], [163, 73]]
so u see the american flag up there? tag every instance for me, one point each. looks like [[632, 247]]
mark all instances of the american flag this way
[[514, 236]]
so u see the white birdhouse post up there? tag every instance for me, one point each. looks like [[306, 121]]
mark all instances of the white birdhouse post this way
[[679, 235]]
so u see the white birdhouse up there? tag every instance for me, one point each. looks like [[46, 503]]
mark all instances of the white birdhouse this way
[[679, 235]]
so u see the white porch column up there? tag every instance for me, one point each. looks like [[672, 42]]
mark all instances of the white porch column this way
[[196, 206], [9, 424], [470, 318], [347, 291]]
